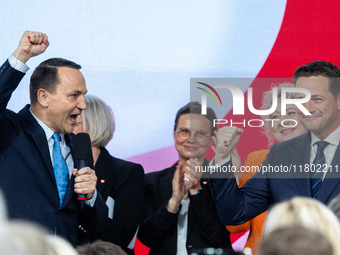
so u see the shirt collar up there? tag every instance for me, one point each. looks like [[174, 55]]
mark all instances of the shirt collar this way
[[333, 138], [48, 131]]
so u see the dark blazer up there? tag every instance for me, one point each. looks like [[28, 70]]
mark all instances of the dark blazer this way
[[158, 230], [27, 177], [237, 206], [122, 181]]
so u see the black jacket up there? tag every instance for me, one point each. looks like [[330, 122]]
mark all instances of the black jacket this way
[[122, 181], [158, 229]]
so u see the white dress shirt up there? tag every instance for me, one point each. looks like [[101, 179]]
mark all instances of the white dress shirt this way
[[182, 227], [329, 152]]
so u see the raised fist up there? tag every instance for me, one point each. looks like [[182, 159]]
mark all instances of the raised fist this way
[[30, 45], [226, 139]]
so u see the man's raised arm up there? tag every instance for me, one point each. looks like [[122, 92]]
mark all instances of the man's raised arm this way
[[235, 206], [11, 72]]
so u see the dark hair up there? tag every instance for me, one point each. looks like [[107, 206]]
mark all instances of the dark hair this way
[[195, 108], [100, 248], [334, 205], [46, 76], [324, 69], [295, 240]]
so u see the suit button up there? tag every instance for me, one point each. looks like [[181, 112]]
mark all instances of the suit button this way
[[52, 232]]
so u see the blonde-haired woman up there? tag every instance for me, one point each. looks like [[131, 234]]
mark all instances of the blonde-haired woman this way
[[306, 212], [120, 182]]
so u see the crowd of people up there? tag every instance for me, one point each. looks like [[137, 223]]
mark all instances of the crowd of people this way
[[176, 210]]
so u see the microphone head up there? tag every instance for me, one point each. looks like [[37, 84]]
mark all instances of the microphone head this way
[[82, 146]]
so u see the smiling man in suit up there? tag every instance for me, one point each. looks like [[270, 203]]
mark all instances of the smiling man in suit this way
[[316, 149], [37, 168]]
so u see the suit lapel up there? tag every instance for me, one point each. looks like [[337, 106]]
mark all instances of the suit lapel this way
[[39, 138], [70, 186], [104, 177], [300, 155]]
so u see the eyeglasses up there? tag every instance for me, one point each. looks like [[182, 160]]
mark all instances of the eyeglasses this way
[[185, 133]]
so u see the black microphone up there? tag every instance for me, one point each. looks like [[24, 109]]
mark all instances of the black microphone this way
[[82, 153]]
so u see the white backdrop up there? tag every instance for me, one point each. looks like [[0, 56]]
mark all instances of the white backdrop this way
[[139, 56]]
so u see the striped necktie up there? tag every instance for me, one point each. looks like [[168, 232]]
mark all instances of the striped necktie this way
[[60, 168], [318, 161]]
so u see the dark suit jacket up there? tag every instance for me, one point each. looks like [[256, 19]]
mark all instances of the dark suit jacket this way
[[158, 230], [27, 177], [237, 206], [122, 181]]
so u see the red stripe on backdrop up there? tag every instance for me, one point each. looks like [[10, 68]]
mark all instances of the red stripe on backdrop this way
[[309, 31]]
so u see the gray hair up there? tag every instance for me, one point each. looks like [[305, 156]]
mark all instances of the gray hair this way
[[100, 248], [98, 119], [267, 102]]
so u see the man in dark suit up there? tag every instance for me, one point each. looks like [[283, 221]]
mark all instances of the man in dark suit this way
[[36, 169], [317, 149]]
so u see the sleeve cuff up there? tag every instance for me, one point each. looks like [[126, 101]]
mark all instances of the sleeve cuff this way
[[18, 65], [223, 162], [196, 195], [172, 212], [91, 201]]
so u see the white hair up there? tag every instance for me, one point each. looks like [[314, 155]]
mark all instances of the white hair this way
[[98, 120], [26, 238], [59, 246], [306, 212]]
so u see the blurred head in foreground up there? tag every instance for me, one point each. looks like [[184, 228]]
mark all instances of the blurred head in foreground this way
[[100, 248], [25, 238], [306, 212], [295, 240]]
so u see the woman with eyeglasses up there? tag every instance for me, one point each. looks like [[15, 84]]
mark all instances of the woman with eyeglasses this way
[[180, 214]]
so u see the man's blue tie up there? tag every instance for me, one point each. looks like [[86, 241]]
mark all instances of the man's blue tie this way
[[318, 161], [60, 168]]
